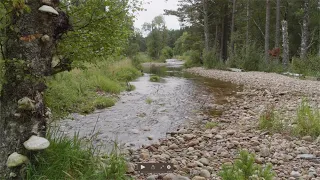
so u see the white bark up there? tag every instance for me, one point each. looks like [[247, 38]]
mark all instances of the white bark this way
[[285, 41], [266, 34], [305, 31]]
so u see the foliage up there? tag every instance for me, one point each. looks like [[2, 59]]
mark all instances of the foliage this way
[[309, 66], [74, 159], [149, 100], [97, 31], [154, 78], [192, 58], [211, 60], [166, 53], [307, 121], [270, 120], [210, 125], [78, 90], [245, 168]]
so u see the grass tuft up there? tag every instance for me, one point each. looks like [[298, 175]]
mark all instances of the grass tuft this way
[[270, 121], [307, 121], [155, 78], [210, 125], [149, 100]]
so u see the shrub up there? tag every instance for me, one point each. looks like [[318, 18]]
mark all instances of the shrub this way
[[270, 121], [154, 78], [309, 66], [210, 59], [307, 121], [103, 102], [192, 58], [149, 100], [245, 168], [166, 53]]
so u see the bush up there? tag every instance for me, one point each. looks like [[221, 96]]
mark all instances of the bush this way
[[310, 66], [307, 121], [166, 53], [270, 121], [245, 168], [74, 159], [192, 58], [155, 78], [103, 102]]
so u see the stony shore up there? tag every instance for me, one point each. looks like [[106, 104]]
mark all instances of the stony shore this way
[[198, 152]]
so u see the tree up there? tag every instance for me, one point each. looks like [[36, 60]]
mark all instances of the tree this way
[[277, 37], [206, 24], [30, 37], [267, 35], [285, 41], [305, 31], [232, 25]]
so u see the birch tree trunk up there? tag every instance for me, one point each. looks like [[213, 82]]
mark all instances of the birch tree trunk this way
[[248, 24], [277, 40], [28, 53], [305, 31], [232, 25], [206, 24], [266, 35], [285, 45]]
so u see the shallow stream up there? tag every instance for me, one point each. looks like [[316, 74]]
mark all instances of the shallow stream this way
[[145, 115]]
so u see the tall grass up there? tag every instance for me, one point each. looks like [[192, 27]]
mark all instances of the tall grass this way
[[75, 159], [83, 90]]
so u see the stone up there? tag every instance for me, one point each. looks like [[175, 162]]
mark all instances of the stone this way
[[193, 142], [130, 167], [48, 9], [303, 150], [307, 138], [152, 177], [306, 156], [135, 131], [231, 132], [144, 155], [265, 152], [26, 103], [218, 136], [204, 173], [35, 143], [198, 178], [173, 146], [170, 176], [295, 174], [16, 159], [204, 161], [188, 136], [150, 138]]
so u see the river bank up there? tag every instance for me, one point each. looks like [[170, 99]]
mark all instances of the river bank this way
[[198, 152]]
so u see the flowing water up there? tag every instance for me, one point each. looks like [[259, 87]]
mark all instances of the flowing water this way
[[145, 115]]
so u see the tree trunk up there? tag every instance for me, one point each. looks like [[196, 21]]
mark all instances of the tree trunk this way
[[248, 23], [285, 40], [216, 41], [305, 31], [277, 24], [232, 25], [266, 35], [28, 53], [206, 24], [319, 30], [224, 38]]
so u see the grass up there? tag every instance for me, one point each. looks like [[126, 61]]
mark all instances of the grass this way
[[73, 159], [270, 120], [149, 100], [83, 90], [210, 125], [307, 121], [245, 168], [155, 78]]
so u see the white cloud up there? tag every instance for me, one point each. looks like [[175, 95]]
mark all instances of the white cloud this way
[[155, 8]]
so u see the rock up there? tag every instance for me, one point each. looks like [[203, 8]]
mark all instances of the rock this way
[[231, 132], [173, 146], [144, 155], [193, 142], [295, 174], [205, 173], [198, 178], [218, 136], [150, 138], [265, 152], [35, 143], [305, 156], [152, 177], [303, 150], [188, 136], [135, 131], [130, 167], [204, 161], [16, 159], [307, 138], [170, 176]]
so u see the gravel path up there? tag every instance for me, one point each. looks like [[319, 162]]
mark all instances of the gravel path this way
[[198, 153]]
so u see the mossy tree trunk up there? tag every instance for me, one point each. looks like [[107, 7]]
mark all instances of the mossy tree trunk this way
[[267, 35], [31, 42]]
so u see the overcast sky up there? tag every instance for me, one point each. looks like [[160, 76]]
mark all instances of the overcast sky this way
[[155, 8]]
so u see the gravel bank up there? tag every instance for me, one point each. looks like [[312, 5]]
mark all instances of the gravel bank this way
[[261, 80], [198, 152]]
